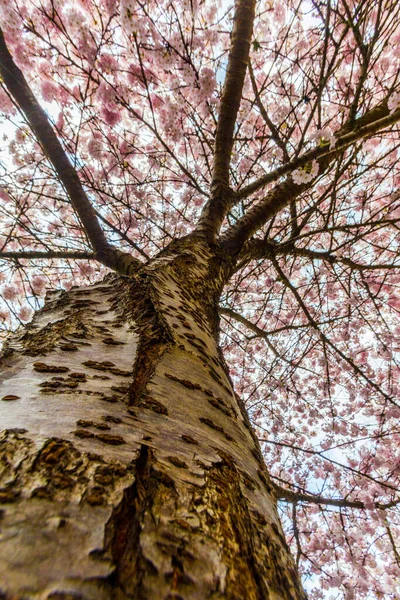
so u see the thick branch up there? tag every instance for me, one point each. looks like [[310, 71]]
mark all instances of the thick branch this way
[[372, 122], [393, 543], [262, 332], [286, 495], [32, 254], [238, 58], [333, 259], [283, 193], [257, 249], [233, 86], [320, 453], [38, 121]]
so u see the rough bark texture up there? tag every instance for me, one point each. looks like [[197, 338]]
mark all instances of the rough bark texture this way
[[128, 466]]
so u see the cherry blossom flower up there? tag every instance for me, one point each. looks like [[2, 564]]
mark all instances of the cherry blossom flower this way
[[305, 174]]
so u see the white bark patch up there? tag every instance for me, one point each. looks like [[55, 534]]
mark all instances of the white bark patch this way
[[45, 547], [63, 473], [55, 503], [212, 432], [75, 390]]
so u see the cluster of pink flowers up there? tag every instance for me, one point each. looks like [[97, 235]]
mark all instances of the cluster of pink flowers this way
[[95, 147], [25, 313], [324, 137], [394, 101], [6, 106], [207, 82], [305, 174], [38, 284], [9, 292]]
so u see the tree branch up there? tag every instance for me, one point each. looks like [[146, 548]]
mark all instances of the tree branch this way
[[372, 122], [393, 543], [274, 131], [333, 259], [233, 86], [218, 205], [283, 193], [259, 333], [257, 249], [32, 254], [40, 125], [262, 332], [325, 339], [286, 495], [122, 235], [320, 453]]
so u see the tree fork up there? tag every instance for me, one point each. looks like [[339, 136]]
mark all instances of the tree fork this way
[[146, 468]]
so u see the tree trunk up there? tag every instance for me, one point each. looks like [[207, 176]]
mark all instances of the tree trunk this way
[[128, 465]]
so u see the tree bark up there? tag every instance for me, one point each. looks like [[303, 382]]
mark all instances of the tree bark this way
[[128, 467]]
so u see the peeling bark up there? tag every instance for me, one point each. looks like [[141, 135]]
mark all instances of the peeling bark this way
[[129, 469]]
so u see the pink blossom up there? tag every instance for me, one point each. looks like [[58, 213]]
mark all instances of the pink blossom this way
[[95, 148], [25, 313], [9, 292], [305, 174], [6, 106], [49, 91], [110, 117], [207, 82], [38, 284]]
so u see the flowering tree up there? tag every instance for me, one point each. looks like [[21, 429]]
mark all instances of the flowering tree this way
[[260, 140]]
